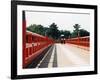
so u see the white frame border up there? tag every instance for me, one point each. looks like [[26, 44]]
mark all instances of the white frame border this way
[[21, 71]]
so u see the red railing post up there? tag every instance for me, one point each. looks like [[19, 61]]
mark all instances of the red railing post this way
[[24, 36]]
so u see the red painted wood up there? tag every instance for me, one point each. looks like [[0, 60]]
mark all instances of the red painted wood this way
[[24, 38], [35, 45], [82, 41]]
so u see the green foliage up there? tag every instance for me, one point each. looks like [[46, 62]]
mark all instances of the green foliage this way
[[79, 32], [76, 27], [83, 32], [37, 29], [76, 31], [66, 33], [73, 34], [53, 32]]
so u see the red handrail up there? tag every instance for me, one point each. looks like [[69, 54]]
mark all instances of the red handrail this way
[[82, 41], [35, 44]]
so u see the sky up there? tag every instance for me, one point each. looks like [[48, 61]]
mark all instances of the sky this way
[[64, 21]]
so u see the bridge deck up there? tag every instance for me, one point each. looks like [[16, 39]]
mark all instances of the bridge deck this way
[[63, 55]]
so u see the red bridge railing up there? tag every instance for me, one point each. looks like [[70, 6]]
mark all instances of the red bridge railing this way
[[35, 44], [82, 41]]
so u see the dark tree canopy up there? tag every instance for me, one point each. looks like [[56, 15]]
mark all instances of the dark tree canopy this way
[[66, 33], [76, 27], [53, 32], [37, 29], [79, 32], [76, 31], [83, 32]]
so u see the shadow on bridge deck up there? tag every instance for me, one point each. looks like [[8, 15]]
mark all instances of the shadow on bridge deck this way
[[48, 58]]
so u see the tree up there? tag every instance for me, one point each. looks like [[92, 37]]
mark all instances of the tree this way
[[73, 34], [66, 33], [79, 32], [83, 32], [76, 31], [76, 26], [36, 29], [53, 31]]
